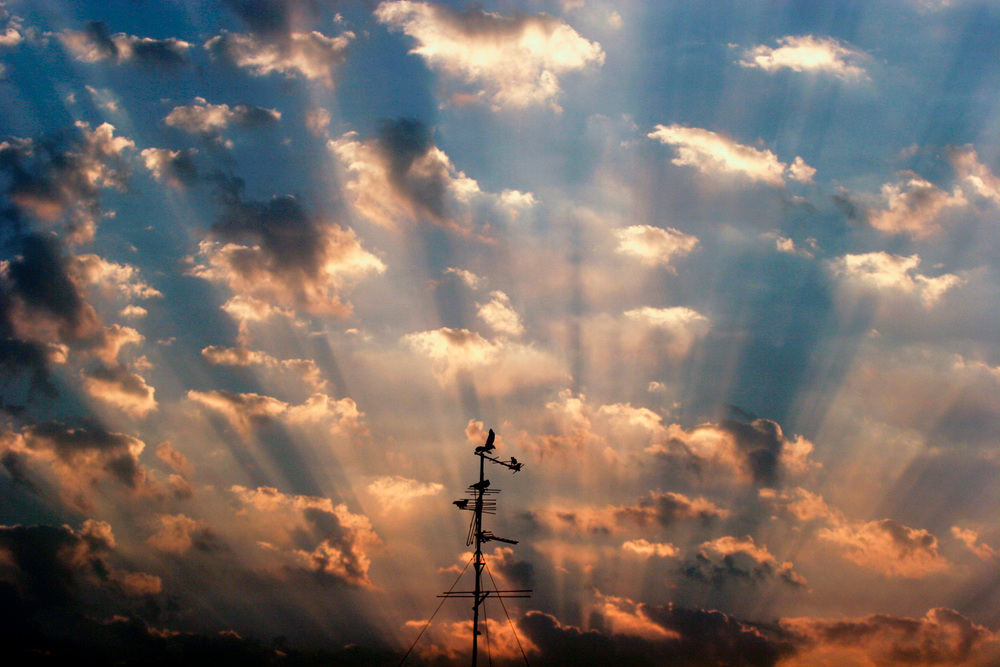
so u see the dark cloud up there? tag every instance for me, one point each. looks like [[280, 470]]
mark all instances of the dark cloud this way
[[100, 37], [761, 441], [288, 236], [406, 143], [96, 43], [39, 276], [694, 638]]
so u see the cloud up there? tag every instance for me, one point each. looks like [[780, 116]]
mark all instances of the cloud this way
[[62, 175], [914, 206], [396, 493], [715, 154], [311, 55], [175, 168], [211, 119], [50, 565], [177, 534], [122, 388], [89, 269], [739, 559], [682, 327], [242, 410], [509, 62], [657, 510], [342, 540], [654, 246], [175, 459], [646, 549], [400, 177], [718, 155], [95, 43], [970, 539], [798, 503], [884, 272], [974, 174], [500, 315], [307, 370], [888, 547], [756, 451], [497, 367], [806, 53], [275, 253], [942, 636]]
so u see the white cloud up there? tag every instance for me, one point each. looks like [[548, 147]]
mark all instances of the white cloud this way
[[715, 154], [654, 246], [396, 493], [500, 315], [308, 54], [683, 326], [976, 175], [894, 273], [914, 206], [806, 53], [516, 61]]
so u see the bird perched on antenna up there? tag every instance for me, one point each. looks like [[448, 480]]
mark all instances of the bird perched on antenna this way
[[462, 504], [489, 446], [514, 465], [480, 486]]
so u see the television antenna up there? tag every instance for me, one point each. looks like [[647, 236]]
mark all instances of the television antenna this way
[[482, 499]]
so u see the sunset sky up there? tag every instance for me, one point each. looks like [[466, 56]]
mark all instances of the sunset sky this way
[[723, 275]]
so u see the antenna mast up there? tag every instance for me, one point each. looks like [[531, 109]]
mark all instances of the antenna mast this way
[[482, 500]]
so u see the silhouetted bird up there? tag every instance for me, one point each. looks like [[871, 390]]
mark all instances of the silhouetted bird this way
[[488, 447], [481, 486], [462, 504], [514, 465]]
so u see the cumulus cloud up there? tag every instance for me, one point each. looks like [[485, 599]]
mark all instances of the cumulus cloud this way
[[654, 246], [50, 565], [715, 154], [805, 53], [974, 174], [400, 176], [61, 177], [275, 253], [210, 119], [884, 272], [95, 43], [888, 547], [508, 62], [914, 206], [682, 326], [341, 541], [656, 510], [311, 55], [245, 411], [177, 534], [496, 367], [396, 493], [942, 636], [122, 388], [739, 559], [647, 549], [175, 168], [756, 451], [307, 370], [500, 315]]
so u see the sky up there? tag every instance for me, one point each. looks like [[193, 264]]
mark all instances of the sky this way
[[722, 275]]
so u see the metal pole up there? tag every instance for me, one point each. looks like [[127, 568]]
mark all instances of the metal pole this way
[[478, 560]]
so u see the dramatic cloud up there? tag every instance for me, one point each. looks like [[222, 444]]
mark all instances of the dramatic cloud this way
[[914, 206], [647, 549], [655, 511], [515, 61], [400, 176], [248, 410], [122, 388], [62, 176], [883, 272], [342, 541], [276, 252], [806, 53], [976, 175], [654, 246], [176, 168], [888, 547], [715, 154], [311, 55], [96, 43], [496, 367], [306, 370], [739, 559], [177, 534], [50, 565]]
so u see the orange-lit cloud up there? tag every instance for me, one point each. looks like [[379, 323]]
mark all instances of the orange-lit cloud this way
[[914, 206], [311, 55]]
